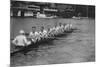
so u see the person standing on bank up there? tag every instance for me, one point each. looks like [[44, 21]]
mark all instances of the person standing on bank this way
[[21, 40]]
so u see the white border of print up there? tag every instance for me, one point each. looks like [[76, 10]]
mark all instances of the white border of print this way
[[5, 33], [89, 2]]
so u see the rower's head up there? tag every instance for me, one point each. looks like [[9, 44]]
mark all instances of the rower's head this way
[[42, 28], [55, 24], [64, 24], [22, 32], [60, 24], [33, 28], [48, 29]]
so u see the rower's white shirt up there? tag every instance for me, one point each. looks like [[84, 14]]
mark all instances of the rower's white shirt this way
[[31, 34], [70, 25], [52, 30], [66, 26], [20, 40], [34, 34], [44, 32], [57, 28], [62, 26]]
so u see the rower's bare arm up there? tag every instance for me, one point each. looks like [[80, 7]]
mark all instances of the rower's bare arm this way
[[26, 41], [14, 41]]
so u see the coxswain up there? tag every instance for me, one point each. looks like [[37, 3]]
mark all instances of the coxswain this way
[[21, 40]]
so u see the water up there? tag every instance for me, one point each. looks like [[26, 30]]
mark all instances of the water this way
[[78, 46]]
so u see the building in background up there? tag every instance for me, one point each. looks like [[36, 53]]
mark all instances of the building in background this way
[[30, 9]]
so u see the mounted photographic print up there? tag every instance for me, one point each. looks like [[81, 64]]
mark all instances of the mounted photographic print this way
[[43, 33]]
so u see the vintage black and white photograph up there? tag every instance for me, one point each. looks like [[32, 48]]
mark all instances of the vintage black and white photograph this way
[[43, 33]]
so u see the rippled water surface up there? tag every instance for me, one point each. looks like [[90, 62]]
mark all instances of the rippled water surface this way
[[78, 46]]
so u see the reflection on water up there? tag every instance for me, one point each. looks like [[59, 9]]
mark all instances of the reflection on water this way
[[76, 47]]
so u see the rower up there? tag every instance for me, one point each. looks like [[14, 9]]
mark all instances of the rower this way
[[59, 31], [69, 26], [33, 30], [55, 29], [52, 31], [43, 32], [61, 27], [32, 34], [66, 27], [37, 36], [21, 40]]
